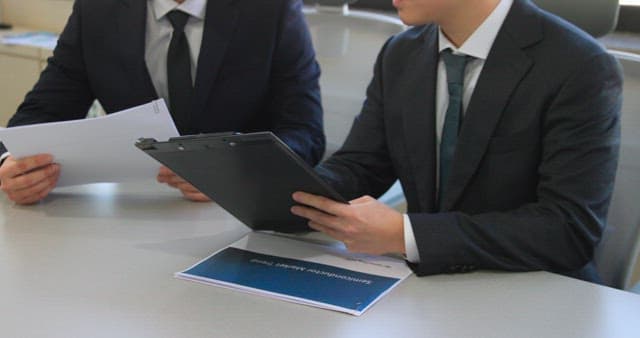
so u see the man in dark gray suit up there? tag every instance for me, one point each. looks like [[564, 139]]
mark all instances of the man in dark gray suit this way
[[501, 122]]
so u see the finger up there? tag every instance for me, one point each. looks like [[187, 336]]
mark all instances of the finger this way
[[165, 171], [335, 234], [35, 188], [186, 187], [27, 200], [189, 191], [362, 199], [171, 180], [319, 202], [180, 185], [165, 179], [32, 178], [318, 216], [196, 196], [173, 184], [175, 180], [30, 163], [36, 192], [36, 196], [165, 175]]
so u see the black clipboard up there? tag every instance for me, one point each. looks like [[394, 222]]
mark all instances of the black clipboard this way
[[252, 176]]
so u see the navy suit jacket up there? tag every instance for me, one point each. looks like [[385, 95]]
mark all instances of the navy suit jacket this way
[[536, 157], [256, 70]]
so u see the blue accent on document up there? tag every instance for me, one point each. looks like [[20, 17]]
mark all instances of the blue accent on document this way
[[296, 278]]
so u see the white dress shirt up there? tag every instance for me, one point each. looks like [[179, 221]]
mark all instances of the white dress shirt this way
[[478, 45], [158, 36], [157, 39]]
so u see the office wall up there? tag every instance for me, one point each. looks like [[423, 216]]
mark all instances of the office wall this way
[[20, 66], [48, 15]]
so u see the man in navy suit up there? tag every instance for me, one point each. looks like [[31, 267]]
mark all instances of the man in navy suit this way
[[501, 122], [250, 64]]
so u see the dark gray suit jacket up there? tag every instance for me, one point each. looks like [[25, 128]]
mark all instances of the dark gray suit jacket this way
[[536, 157], [256, 70]]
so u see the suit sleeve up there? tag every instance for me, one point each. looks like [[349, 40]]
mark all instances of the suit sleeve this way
[[362, 166], [294, 87], [559, 232]]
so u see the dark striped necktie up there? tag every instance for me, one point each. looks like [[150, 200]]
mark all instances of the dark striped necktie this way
[[455, 66]]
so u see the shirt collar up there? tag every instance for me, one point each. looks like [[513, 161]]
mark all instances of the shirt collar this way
[[481, 40], [195, 8]]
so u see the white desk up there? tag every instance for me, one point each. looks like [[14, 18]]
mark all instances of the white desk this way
[[98, 260]]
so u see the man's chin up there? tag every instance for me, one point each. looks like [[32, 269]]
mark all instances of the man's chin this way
[[409, 20]]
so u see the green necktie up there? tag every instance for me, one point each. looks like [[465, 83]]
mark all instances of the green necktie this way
[[455, 65]]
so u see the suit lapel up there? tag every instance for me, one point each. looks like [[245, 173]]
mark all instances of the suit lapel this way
[[220, 22], [131, 28], [419, 115], [505, 67]]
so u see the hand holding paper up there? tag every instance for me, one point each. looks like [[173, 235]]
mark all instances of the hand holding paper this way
[[89, 150], [29, 179]]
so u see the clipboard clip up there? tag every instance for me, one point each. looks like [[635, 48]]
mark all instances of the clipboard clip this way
[[146, 143], [197, 136]]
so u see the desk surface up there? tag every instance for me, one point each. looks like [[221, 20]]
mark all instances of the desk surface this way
[[98, 260]]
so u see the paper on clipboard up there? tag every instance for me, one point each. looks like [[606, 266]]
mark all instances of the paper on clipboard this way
[[98, 149]]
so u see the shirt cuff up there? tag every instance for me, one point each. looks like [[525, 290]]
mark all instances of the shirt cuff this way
[[410, 246], [4, 157]]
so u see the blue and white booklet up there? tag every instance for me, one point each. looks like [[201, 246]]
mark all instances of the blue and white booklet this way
[[295, 270], [44, 40]]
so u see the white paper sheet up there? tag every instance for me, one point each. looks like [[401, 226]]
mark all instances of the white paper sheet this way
[[98, 149]]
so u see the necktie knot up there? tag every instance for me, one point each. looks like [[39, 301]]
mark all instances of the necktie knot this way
[[178, 19], [455, 65]]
